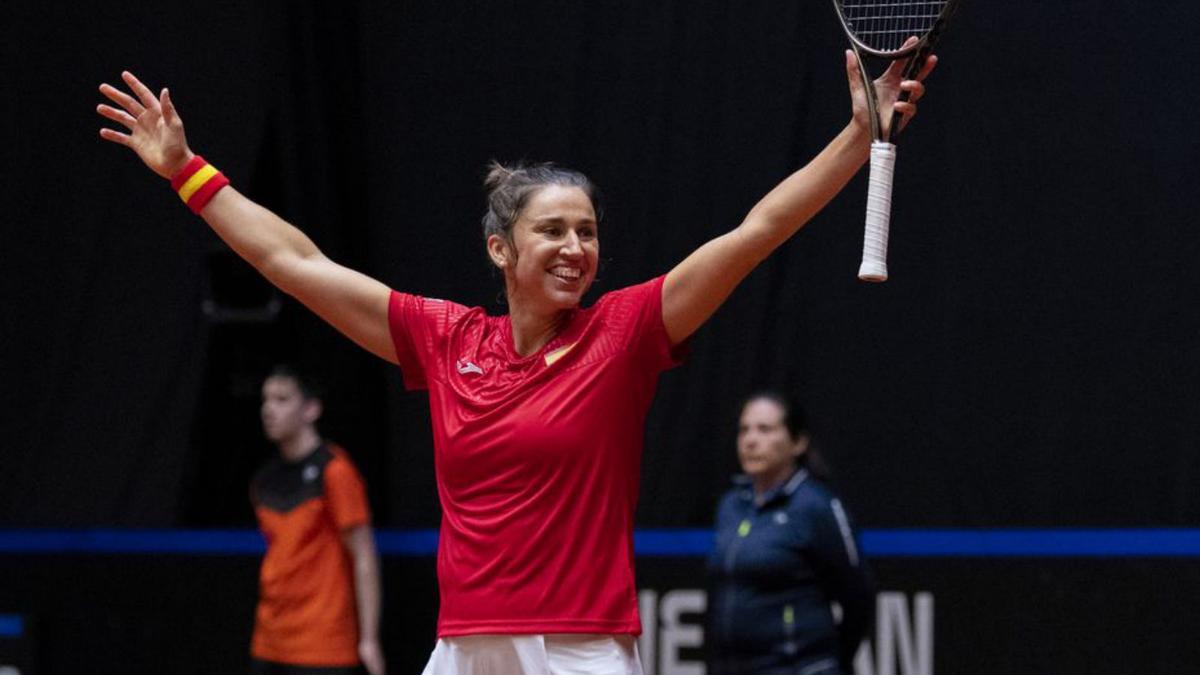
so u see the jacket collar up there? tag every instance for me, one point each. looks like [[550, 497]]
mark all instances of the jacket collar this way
[[787, 489]]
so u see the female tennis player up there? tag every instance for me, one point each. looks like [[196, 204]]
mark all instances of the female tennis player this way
[[537, 415]]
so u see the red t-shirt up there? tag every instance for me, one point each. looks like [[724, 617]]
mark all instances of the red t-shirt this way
[[537, 458]]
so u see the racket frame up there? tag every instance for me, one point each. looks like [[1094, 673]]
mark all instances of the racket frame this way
[[883, 150]]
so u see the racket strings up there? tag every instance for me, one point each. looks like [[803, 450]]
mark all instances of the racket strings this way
[[884, 25]]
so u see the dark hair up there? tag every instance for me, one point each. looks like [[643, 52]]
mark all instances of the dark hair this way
[[796, 421], [309, 387], [510, 187]]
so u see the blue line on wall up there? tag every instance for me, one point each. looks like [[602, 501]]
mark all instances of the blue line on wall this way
[[11, 626], [897, 543], [1047, 543]]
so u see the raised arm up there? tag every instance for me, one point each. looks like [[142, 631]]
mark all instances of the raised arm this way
[[696, 287], [352, 302]]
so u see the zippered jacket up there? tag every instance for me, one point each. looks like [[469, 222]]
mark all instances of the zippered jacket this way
[[777, 568]]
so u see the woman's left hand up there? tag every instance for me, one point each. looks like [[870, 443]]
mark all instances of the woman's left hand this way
[[887, 90]]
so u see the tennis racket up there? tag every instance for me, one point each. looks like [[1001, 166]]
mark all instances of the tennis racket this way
[[881, 28]]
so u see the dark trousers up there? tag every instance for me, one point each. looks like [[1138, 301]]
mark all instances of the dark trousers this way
[[734, 666], [259, 667]]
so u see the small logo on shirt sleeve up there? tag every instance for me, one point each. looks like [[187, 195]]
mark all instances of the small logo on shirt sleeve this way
[[465, 367], [310, 473]]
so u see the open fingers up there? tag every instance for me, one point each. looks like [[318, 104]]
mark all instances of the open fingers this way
[[143, 92], [914, 88], [907, 110], [168, 107], [122, 99], [118, 116], [927, 67], [854, 73], [116, 137], [895, 69]]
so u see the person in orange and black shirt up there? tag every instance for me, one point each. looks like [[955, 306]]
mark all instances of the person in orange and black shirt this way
[[318, 607]]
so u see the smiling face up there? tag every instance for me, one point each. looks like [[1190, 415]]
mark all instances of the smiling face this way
[[550, 256], [766, 449]]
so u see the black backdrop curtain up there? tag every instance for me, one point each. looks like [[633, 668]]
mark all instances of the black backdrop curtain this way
[[1033, 361]]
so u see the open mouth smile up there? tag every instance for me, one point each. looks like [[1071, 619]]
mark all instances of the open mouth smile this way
[[567, 273]]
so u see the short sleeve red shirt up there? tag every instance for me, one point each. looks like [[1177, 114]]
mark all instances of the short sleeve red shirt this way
[[537, 458]]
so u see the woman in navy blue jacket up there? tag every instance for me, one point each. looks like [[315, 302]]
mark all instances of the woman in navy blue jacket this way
[[785, 552]]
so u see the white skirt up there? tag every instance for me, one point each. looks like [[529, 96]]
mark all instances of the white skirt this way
[[557, 654]]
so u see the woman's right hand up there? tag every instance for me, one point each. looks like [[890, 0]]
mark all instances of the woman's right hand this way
[[155, 130]]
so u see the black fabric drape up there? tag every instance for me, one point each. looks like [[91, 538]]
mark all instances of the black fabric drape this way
[[1033, 360]]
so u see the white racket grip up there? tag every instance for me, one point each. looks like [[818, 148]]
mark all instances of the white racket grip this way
[[879, 212]]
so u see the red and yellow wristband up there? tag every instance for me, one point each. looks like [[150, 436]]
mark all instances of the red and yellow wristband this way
[[197, 182]]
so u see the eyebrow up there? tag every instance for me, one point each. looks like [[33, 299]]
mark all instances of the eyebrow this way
[[562, 221]]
